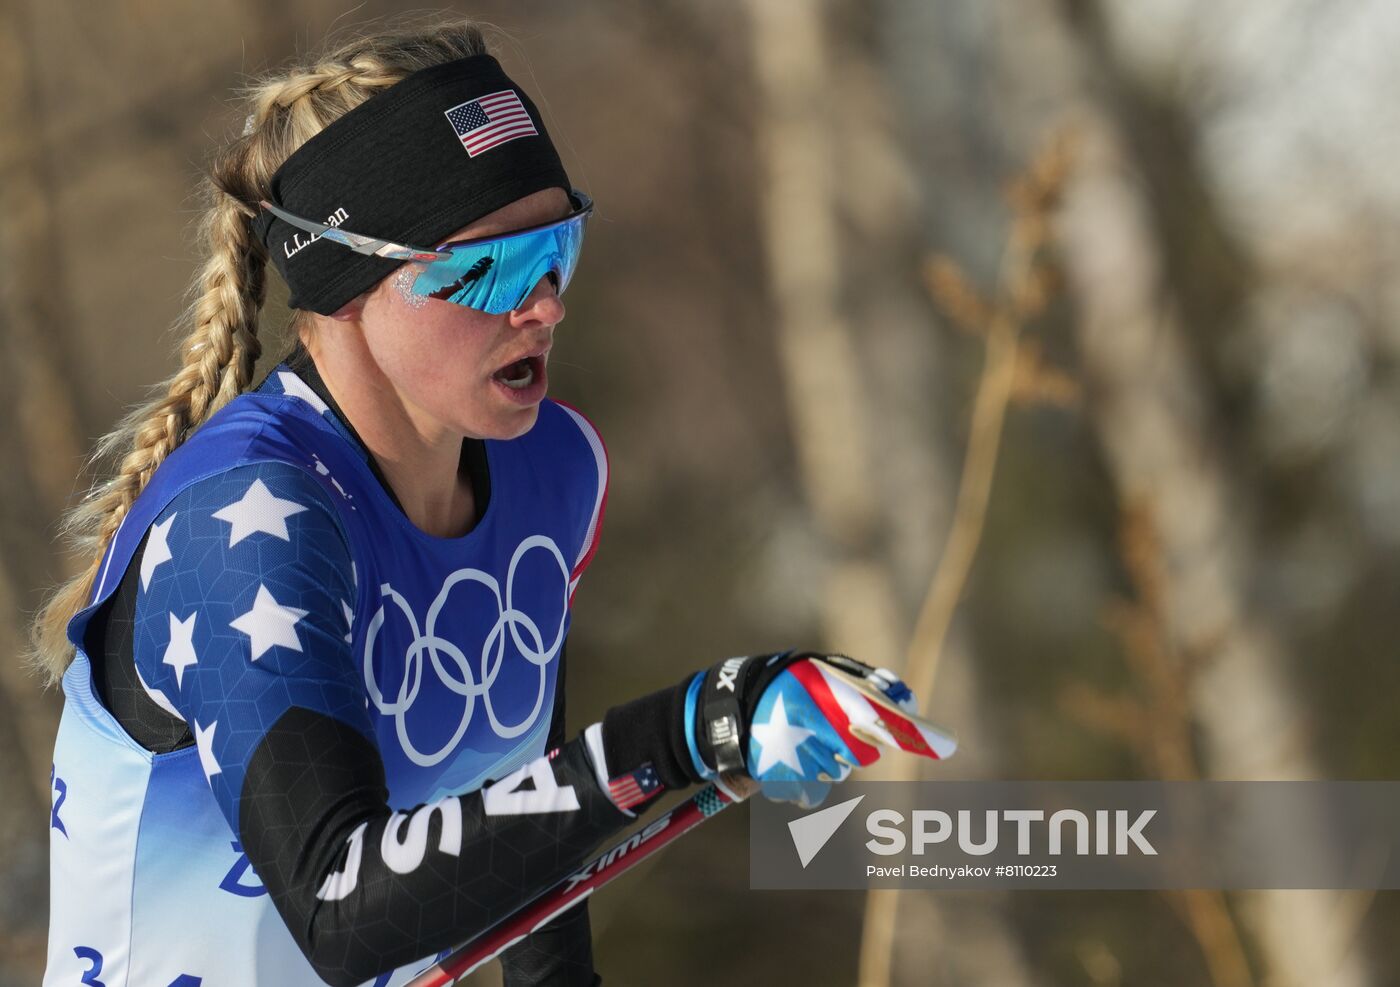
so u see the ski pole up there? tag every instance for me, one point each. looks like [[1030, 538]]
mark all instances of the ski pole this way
[[861, 706], [580, 884]]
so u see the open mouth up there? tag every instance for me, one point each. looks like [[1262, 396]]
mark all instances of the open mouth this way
[[520, 374]]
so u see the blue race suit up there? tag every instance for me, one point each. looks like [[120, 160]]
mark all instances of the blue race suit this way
[[369, 781]]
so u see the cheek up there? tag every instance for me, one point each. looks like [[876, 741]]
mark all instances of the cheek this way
[[436, 353]]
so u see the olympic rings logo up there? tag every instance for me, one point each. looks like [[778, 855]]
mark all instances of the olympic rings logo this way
[[456, 673]]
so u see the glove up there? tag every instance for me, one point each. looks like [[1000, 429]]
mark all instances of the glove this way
[[796, 722], [791, 724]]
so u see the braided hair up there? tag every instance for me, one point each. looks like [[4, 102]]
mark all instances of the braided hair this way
[[221, 347]]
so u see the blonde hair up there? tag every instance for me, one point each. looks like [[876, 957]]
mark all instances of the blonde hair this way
[[222, 346]]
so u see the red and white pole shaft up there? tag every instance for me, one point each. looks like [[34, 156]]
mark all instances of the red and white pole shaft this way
[[605, 867]]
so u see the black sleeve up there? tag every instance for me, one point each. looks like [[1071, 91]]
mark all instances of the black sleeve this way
[[364, 890], [109, 642], [560, 954]]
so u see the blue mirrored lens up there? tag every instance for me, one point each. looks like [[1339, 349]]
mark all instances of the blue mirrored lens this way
[[498, 275]]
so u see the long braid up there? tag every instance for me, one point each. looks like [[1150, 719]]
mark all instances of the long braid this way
[[217, 357], [222, 347]]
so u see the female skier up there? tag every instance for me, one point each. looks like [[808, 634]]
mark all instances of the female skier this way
[[313, 677]]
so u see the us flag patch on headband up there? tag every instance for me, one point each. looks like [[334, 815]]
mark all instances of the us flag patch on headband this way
[[489, 121]]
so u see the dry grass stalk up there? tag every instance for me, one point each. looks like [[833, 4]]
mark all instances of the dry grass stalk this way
[[1157, 725], [1035, 382], [949, 285], [1024, 286]]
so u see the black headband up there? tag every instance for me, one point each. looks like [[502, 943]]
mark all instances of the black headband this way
[[434, 152]]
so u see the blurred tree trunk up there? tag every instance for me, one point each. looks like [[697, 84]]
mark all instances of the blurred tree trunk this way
[[871, 459], [34, 308], [1151, 411], [40, 448], [893, 91], [825, 395], [42, 453]]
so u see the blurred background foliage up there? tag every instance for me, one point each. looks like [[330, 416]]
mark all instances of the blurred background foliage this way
[[1044, 349]]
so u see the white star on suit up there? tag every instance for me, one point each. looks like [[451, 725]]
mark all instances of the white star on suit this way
[[157, 550], [269, 624], [779, 739], [297, 388], [349, 621], [159, 698], [179, 653], [258, 510], [204, 740]]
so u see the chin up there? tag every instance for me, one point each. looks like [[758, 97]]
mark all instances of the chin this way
[[511, 425]]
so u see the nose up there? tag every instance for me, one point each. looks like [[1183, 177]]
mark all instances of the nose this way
[[541, 305]]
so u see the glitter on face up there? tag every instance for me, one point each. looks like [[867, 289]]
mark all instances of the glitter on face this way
[[403, 282]]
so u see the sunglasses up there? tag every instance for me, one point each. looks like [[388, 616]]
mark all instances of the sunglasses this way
[[493, 274]]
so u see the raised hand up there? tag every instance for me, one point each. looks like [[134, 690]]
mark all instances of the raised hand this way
[[803, 721]]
